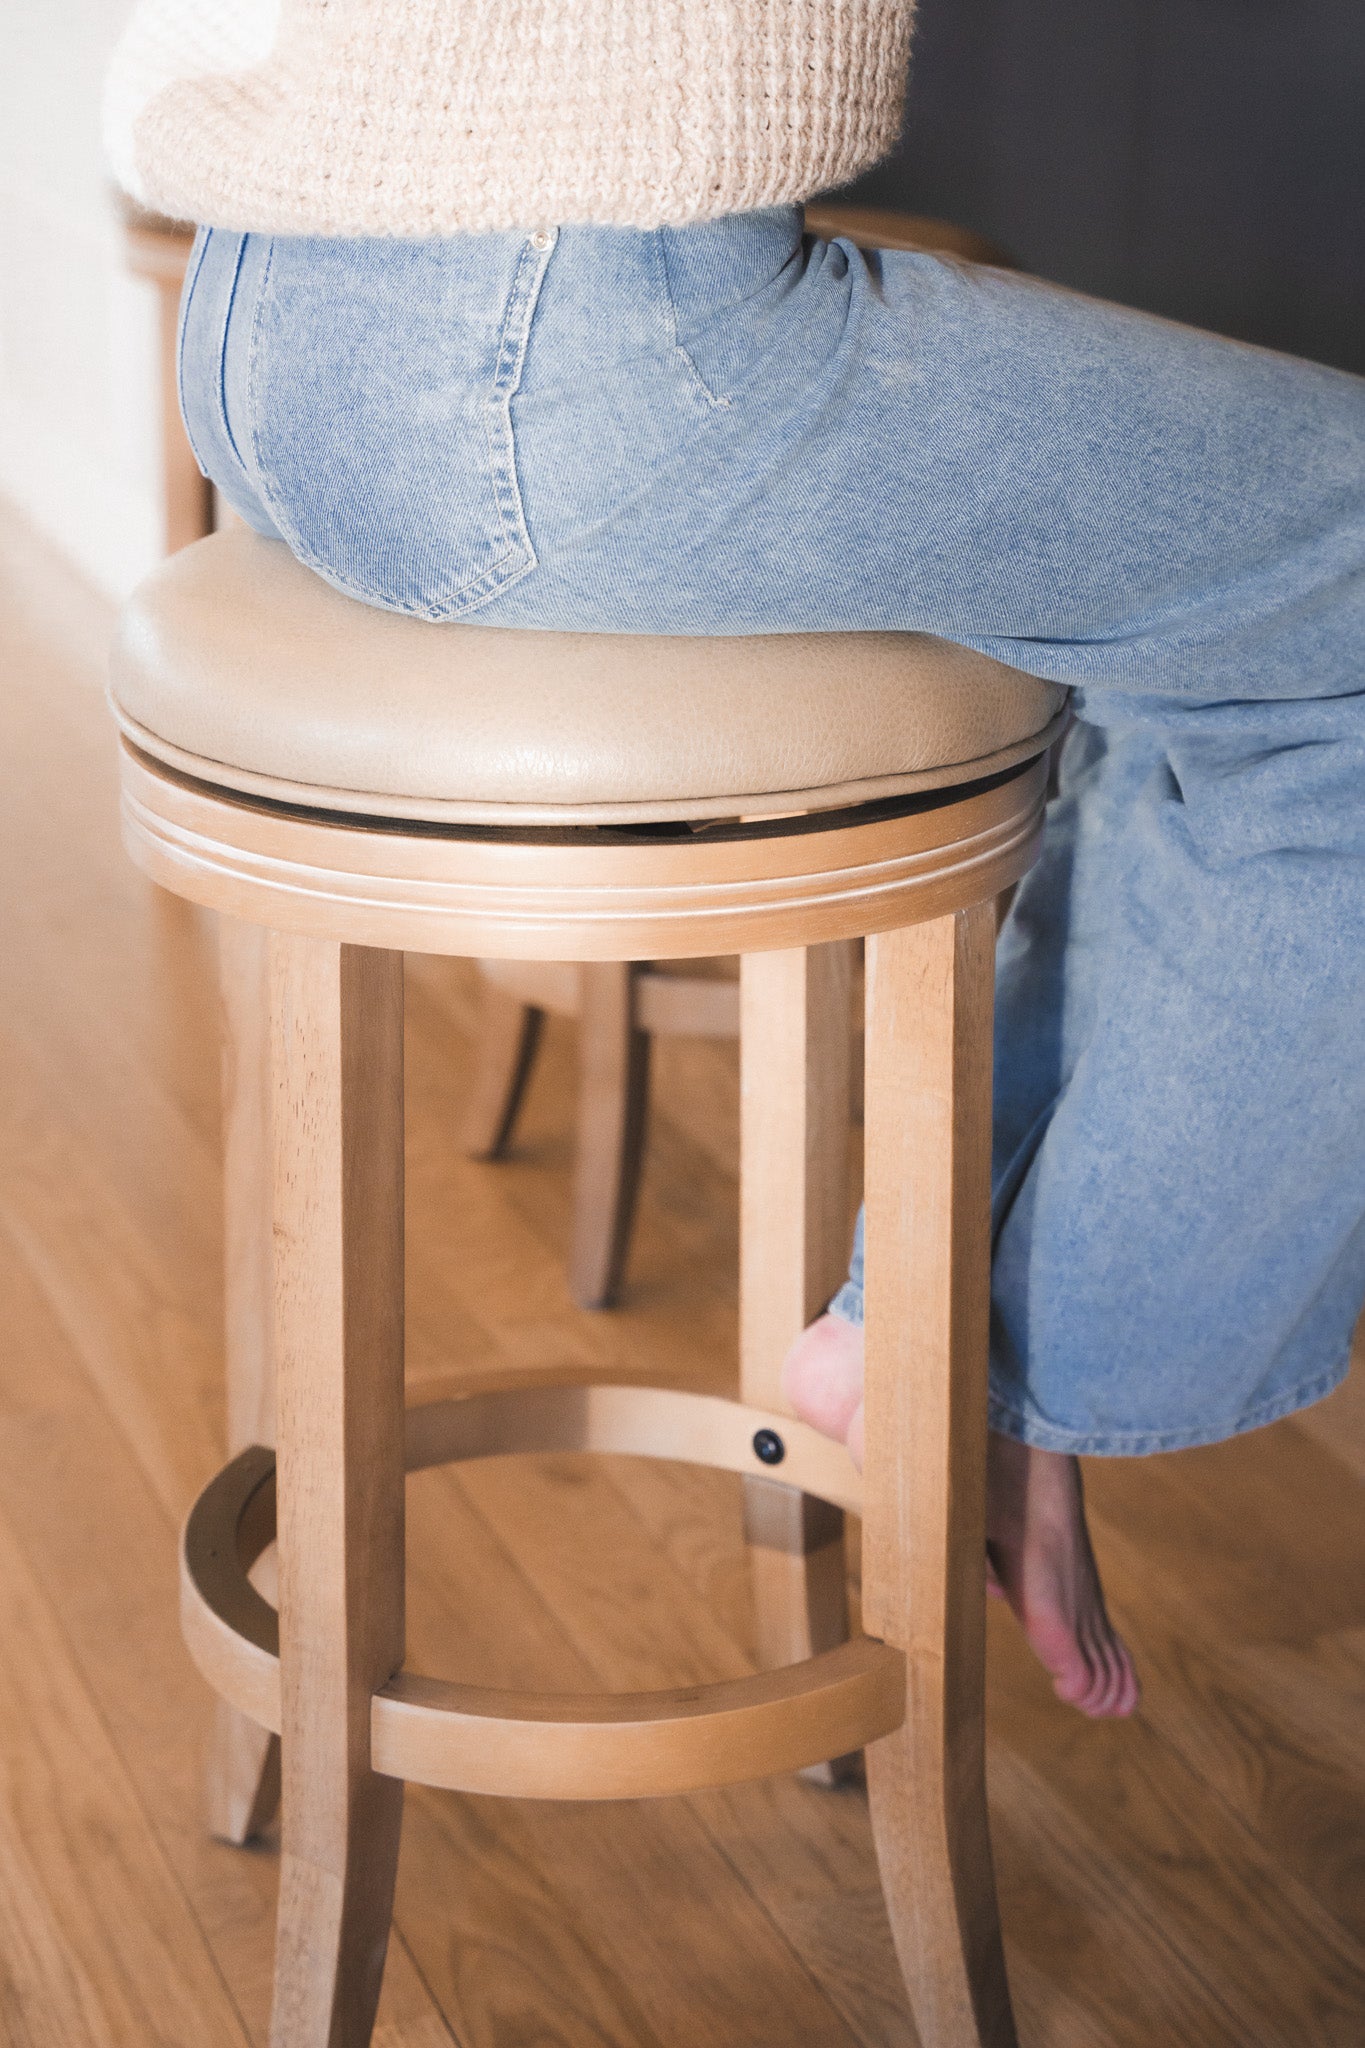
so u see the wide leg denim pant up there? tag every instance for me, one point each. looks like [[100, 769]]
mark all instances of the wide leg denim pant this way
[[727, 429]]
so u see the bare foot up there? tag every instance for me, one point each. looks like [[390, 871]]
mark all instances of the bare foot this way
[[822, 1377], [1037, 1541]]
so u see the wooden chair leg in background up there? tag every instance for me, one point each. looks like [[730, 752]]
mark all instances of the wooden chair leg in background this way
[[159, 250], [613, 1102], [509, 1037], [795, 1073], [243, 1784], [337, 1115], [618, 1008], [930, 1004], [613, 1098]]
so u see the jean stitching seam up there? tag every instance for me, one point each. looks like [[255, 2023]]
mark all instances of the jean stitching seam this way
[[489, 580], [507, 371], [191, 285], [220, 381], [266, 481], [716, 400]]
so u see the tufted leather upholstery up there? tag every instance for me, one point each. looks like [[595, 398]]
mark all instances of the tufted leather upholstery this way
[[236, 664]]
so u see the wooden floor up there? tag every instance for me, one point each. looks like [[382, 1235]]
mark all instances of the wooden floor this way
[[1195, 1879]]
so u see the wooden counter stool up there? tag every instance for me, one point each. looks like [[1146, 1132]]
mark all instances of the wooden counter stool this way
[[395, 822], [622, 1006]]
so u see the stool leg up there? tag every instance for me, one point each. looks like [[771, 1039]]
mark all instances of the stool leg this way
[[243, 1778], [613, 1098], [930, 1001], [509, 1036], [795, 1060], [337, 1116]]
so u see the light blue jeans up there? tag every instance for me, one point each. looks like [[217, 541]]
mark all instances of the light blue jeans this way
[[725, 429]]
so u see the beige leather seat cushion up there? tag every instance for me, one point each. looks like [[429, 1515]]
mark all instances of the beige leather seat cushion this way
[[236, 664]]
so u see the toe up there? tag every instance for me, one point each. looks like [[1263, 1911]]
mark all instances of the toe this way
[[1125, 1683], [1040, 1548], [1115, 1694], [1060, 1651]]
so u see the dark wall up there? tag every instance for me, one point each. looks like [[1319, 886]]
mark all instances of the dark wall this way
[[1202, 158]]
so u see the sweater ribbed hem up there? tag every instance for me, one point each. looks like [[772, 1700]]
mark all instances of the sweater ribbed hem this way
[[445, 116]]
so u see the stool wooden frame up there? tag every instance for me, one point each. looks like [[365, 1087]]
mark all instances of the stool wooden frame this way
[[341, 898]]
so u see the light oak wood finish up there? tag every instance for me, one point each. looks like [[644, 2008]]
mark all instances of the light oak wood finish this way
[[348, 1715], [795, 1108], [579, 895], [336, 1016], [1188, 1880], [543, 1745], [794, 1095], [248, 1272], [243, 1776], [929, 1048]]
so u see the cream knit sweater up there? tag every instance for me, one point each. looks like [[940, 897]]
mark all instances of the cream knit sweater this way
[[425, 117]]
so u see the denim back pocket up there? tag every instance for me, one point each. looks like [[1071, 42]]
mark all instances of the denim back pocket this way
[[379, 407]]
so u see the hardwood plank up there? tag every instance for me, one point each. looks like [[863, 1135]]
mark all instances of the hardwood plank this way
[[336, 1118], [1277, 1738], [99, 1944], [665, 1916], [1061, 1961], [1237, 1951], [1338, 1423], [142, 1309], [95, 1529], [1257, 1653], [509, 1225], [529, 1970], [803, 1853], [808, 1855]]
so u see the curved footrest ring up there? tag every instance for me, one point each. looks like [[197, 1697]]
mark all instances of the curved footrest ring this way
[[557, 1745]]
